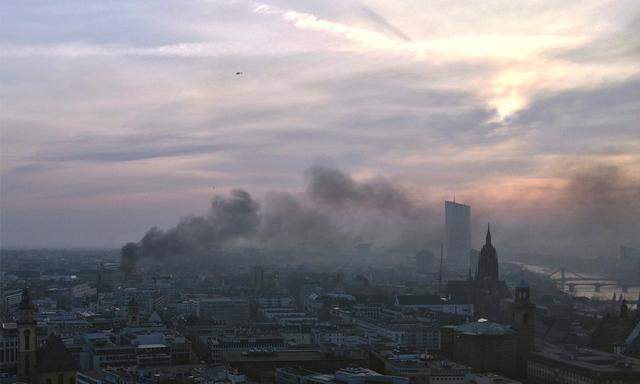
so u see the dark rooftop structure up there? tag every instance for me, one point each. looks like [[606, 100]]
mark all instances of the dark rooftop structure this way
[[484, 328], [55, 357], [551, 363]]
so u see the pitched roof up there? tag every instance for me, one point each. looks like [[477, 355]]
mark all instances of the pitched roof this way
[[55, 357], [154, 318]]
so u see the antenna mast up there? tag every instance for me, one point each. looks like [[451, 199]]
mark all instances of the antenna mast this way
[[440, 272]]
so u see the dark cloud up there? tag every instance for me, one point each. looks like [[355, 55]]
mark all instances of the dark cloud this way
[[596, 212], [335, 188], [335, 214], [623, 44], [228, 218], [102, 22], [603, 205], [337, 101], [382, 23], [30, 169], [132, 154], [582, 120], [289, 223]]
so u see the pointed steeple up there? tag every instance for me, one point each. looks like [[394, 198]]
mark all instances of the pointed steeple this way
[[488, 261]]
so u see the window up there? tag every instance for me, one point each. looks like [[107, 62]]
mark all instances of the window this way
[[27, 338]]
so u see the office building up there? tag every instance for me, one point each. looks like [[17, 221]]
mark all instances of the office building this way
[[458, 234], [572, 365]]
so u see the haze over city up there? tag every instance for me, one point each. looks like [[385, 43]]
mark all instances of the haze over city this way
[[320, 192], [120, 116]]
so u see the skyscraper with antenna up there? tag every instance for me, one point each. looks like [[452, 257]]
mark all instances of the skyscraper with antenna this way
[[457, 234]]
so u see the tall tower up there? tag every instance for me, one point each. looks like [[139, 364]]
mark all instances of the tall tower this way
[[487, 284], [524, 323], [458, 234], [27, 342], [488, 261]]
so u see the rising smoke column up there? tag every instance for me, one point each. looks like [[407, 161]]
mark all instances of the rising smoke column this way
[[603, 209], [376, 211], [334, 214], [228, 218], [597, 210], [591, 214], [290, 222]]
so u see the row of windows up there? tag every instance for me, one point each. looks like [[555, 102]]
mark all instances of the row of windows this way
[[555, 375], [7, 355]]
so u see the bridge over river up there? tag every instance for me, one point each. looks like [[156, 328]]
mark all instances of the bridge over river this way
[[602, 287], [571, 280]]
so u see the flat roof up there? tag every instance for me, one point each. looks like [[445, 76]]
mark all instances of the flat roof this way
[[484, 328], [588, 359], [286, 355], [151, 346]]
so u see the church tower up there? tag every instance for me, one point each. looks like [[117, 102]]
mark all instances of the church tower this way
[[488, 261], [27, 342], [486, 289], [524, 323]]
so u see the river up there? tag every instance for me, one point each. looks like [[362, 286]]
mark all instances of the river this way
[[606, 292]]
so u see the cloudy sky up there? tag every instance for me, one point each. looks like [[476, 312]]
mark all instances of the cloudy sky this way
[[120, 115]]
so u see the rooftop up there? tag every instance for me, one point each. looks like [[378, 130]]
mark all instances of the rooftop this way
[[286, 355], [489, 378], [484, 328], [151, 346], [588, 359]]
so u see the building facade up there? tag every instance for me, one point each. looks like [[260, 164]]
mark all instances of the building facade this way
[[484, 346], [571, 365], [458, 233], [485, 289]]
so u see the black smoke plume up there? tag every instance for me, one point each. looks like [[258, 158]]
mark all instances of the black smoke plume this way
[[335, 213], [603, 210], [597, 211], [228, 218]]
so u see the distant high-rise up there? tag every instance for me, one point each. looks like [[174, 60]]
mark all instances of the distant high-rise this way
[[257, 278], [458, 233], [425, 261]]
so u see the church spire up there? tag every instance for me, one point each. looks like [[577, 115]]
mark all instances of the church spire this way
[[488, 233]]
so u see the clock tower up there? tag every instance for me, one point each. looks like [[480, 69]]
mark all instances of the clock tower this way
[[27, 339]]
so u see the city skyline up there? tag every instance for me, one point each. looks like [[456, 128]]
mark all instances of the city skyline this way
[[320, 192], [113, 124]]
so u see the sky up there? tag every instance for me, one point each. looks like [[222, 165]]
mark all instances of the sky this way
[[120, 115]]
